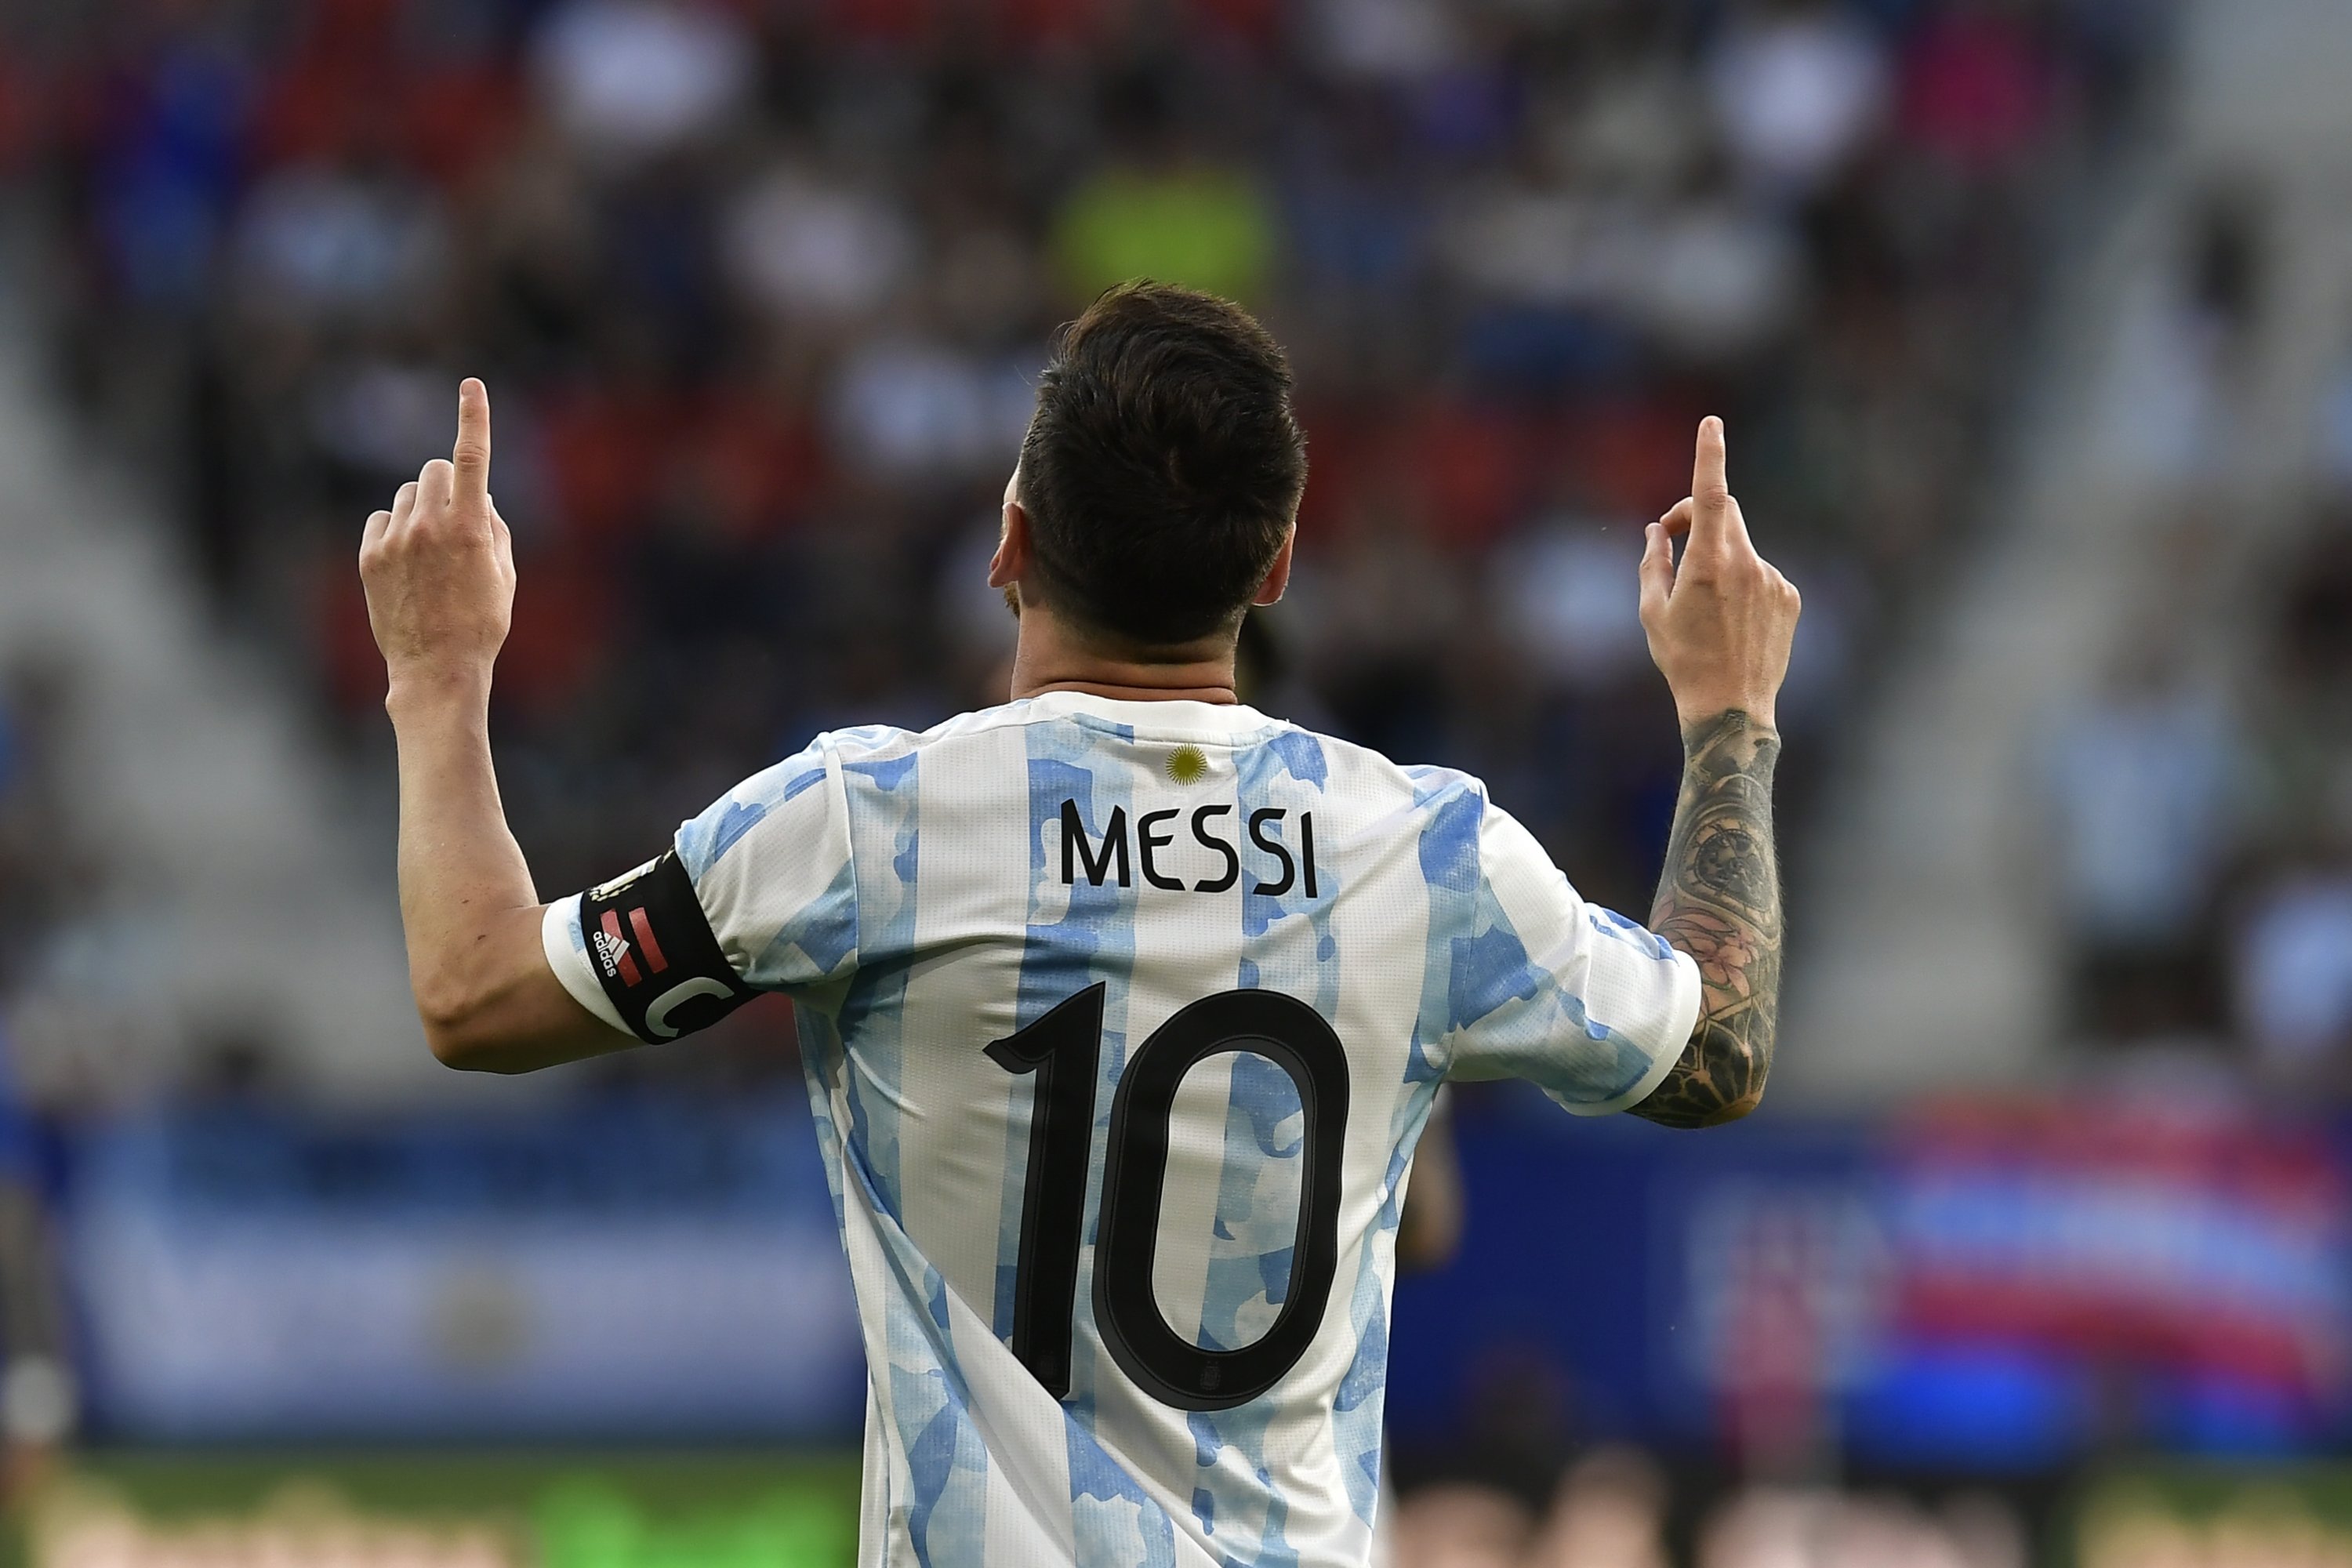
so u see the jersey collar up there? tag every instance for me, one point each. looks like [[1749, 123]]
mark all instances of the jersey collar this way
[[1182, 718]]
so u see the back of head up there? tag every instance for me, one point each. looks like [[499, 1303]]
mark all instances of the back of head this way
[[1163, 468]]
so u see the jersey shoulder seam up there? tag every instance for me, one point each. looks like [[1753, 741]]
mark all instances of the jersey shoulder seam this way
[[829, 747]]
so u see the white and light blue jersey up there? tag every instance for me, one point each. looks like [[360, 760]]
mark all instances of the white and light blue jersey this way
[[1120, 1022]]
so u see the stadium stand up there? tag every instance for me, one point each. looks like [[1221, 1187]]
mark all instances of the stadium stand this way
[[2116, 754], [759, 289], [185, 897]]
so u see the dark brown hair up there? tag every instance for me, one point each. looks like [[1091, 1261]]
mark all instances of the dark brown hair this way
[[1164, 466]]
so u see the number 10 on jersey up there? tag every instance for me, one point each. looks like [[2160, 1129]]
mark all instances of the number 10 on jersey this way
[[1062, 1051]]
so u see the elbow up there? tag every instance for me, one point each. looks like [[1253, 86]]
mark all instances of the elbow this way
[[454, 1034], [1742, 1091], [1735, 1059], [1736, 1109], [462, 1051], [1688, 1118], [455, 1049], [452, 1044], [1711, 1093]]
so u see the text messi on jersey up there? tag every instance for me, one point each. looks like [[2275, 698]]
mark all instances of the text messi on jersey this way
[[1267, 827]]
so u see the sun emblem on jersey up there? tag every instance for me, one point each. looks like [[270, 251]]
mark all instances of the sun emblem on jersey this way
[[1188, 764]]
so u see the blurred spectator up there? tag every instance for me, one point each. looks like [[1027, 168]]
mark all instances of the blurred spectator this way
[[1459, 1526], [1392, 39], [1977, 89], [2179, 380], [48, 878], [2292, 949], [1561, 586], [2293, 982], [908, 408], [1799, 85], [1611, 1512], [2147, 782], [1723, 282], [317, 243], [1179, 220], [2336, 427], [1775, 1529], [814, 252], [2314, 643], [633, 77], [159, 186]]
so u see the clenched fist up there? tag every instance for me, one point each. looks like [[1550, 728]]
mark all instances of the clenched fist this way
[[1721, 622], [439, 566]]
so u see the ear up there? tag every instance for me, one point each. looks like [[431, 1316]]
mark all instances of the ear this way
[[1277, 576], [1010, 565]]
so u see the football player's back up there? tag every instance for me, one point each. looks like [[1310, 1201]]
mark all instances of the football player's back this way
[[1122, 1005], [1121, 1019]]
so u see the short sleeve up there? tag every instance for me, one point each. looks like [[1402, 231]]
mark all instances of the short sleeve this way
[[755, 894], [1588, 1006]]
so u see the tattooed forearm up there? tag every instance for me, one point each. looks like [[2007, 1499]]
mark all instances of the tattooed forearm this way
[[1720, 901]]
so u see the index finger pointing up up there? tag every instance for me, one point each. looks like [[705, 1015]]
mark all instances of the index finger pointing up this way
[[472, 453], [1710, 488], [1715, 516]]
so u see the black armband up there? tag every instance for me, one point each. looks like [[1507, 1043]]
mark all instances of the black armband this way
[[654, 953]]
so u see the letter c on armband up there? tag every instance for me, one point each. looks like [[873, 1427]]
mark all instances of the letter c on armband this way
[[657, 1022]]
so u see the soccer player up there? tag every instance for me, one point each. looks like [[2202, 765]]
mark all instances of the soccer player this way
[[1122, 1005]]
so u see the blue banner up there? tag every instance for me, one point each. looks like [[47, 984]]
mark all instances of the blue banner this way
[[620, 1271], [1990, 1285]]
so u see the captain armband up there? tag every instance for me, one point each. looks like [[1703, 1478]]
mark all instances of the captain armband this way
[[654, 953]]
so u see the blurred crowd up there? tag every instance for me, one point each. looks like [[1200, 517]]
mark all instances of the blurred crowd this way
[[2202, 796], [1612, 1510], [759, 287]]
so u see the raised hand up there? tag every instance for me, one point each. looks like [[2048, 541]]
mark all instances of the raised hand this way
[[439, 566], [1719, 627], [1719, 623]]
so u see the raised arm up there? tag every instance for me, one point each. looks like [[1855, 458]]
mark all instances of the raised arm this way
[[1719, 627], [439, 573]]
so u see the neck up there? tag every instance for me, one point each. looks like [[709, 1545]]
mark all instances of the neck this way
[[1051, 657]]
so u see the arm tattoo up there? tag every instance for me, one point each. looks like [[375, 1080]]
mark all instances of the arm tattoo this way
[[1720, 901]]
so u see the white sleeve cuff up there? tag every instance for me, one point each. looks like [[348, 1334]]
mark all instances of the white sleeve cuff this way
[[1682, 1017], [567, 954]]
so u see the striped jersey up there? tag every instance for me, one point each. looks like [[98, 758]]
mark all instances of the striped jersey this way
[[1120, 1022]]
